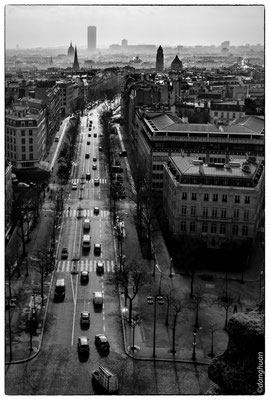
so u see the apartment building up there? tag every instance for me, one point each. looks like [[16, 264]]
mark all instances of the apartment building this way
[[214, 202], [25, 133], [225, 112]]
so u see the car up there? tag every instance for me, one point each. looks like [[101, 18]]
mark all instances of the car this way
[[94, 166], [89, 134], [88, 142], [89, 128], [95, 135], [84, 276], [86, 225], [74, 186], [96, 182], [87, 155], [101, 342], [100, 266], [83, 345], [88, 176], [85, 318], [96, 210], [100, 148], [64, 253], [97, 249], [94, 159]]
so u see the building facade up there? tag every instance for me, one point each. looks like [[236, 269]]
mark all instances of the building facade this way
[[214, 202], [25, 134], [91, 38], [226, 111]]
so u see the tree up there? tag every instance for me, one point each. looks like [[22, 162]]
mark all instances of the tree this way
[[177, 306], [131, 277], [168, 294], [196, 301], [42, 266], [225, 300]]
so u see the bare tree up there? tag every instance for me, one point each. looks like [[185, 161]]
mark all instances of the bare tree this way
[[168, 294], [131, 277], [177, 306], [225, 300], [196, 301]]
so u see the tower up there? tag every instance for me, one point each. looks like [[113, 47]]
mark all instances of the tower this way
[[91, 38], [160, 60], [76, 62], [71, 50]]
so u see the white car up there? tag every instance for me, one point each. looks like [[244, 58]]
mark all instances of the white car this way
[[74, 186]]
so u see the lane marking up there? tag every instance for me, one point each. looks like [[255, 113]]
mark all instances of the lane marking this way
[[75, 304]]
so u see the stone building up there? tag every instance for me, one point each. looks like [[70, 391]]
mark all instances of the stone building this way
[[159, 60]]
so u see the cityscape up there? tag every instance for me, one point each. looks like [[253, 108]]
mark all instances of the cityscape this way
[[134, 199]]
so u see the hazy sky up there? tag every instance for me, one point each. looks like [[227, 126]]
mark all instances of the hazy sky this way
[[50, 26]]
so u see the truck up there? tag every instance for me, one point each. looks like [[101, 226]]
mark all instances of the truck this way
[[107, 379]]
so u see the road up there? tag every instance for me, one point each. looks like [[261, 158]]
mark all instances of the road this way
[[58, 369]]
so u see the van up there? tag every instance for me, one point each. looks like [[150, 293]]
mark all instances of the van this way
[[60, 289], [86, 242], [86, 225]]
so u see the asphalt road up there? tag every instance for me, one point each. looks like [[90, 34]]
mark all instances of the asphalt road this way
[[58, 369]]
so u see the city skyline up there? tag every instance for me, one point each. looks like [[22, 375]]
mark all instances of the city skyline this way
[[187, 25]]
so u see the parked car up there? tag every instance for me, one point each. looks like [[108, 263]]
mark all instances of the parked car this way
[[88, 142], [74, 186], [83, 345], [87, 155], [84, 277], [96, 182], [88, 176], [85, 318], [64, 253], [94, 159], [94, 166], [101, 342]]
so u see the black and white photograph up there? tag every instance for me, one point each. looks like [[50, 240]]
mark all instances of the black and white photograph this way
[[134, 204]]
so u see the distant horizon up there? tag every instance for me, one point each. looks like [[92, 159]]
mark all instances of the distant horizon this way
[[48, 26]]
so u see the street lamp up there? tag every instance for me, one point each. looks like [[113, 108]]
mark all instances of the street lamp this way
[[171, 267], [194, 345]]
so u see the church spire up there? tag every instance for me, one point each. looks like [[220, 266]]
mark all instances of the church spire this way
[[76, 62]]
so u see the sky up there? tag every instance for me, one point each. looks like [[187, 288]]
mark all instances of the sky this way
[[31, 26]]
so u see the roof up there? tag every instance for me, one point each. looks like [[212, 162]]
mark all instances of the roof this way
[[251, 123]]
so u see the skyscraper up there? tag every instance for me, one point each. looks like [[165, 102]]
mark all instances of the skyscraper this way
[[160, 60], [91, 38]]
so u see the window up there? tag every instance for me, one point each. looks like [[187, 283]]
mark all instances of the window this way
[[213, 228], [246, 215], [23, 141], [214, 212], [215, 197], [223, 213], [245, 230], [205, 212], [31, 156], [222, 229], [215, 113], [235, 229], [30, 148], [206, 197], [247, 199], [193, 210], [228, 115], [193, 196], [184, 196], [23, 133], [30, 140], [183, 226], [236, 213], [233, 115], [23, 148], [224, 198], [237, 199], [192, 226], [222, 114], [23, 156], [30, 132], [184, 210], [204, 227]]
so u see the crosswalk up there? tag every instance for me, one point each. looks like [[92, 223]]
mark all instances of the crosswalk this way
[[84, 213], [102, 181], [83, 265]]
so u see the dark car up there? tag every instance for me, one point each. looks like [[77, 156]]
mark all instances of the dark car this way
[[64, 253], [100, 267], [101, 342], [84, 277], [97, 249], [83, 345], [85, 319]]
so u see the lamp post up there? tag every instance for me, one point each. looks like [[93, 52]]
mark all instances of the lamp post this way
[[194, 345], [171, 267]]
